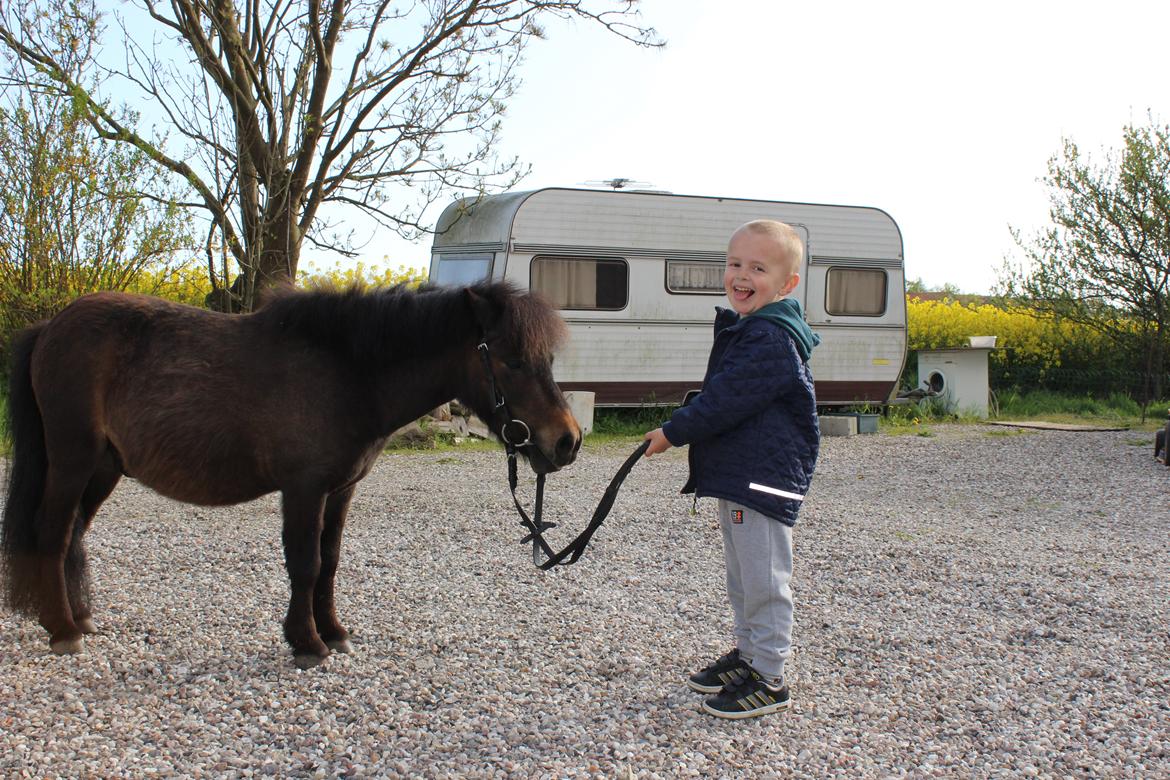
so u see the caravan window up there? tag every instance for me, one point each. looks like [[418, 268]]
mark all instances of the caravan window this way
[[459, 270], [582, 282], [686, 276], [856, 292]]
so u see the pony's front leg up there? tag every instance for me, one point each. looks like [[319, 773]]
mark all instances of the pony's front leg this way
[[324, 608], [302, 557]]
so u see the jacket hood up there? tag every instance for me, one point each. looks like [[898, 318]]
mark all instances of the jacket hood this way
[[788, 314]]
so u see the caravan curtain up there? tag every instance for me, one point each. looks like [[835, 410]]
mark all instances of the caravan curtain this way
[[581, 282], [857, 292], [570, 284], [694, 277]]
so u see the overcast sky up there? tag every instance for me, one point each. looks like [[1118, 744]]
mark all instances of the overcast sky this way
[[942, 114]]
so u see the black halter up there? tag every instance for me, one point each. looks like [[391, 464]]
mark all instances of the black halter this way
[[543, 555]]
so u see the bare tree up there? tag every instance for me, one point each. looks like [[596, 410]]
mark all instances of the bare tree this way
[[278, 108], [1105, 261]]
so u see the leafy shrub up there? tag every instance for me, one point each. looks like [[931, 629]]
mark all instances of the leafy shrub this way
[[186, 283], [189, 283]]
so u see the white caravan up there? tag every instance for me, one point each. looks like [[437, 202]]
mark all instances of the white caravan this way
[[637, 276]]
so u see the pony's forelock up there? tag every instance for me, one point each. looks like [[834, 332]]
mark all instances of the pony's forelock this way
[[533, 322]]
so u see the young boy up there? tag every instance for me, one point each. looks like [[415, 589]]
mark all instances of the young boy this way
[[754, 439]]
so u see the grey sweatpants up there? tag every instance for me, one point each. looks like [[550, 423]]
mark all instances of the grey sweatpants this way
[[757, 551]]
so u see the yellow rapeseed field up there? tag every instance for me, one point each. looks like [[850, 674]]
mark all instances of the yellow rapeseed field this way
[[1031, 339]]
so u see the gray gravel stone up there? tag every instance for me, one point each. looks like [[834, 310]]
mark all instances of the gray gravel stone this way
[[977, 603]]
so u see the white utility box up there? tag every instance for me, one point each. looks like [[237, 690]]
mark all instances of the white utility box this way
[[958, 376]]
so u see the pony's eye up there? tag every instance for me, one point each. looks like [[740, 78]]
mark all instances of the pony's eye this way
[[515, 365]]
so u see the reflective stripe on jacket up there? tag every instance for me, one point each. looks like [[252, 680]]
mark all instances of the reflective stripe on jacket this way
[[753, 429]]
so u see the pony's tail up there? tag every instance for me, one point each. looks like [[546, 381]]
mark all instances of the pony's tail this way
[[26, 480]]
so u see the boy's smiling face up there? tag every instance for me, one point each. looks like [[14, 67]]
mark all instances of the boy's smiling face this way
[[759, 271]]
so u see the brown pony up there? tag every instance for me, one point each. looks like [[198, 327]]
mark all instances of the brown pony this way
[[217, 409]]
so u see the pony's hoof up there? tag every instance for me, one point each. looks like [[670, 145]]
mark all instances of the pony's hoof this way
[[308, 660], [340, 646], [67, 646], [85, 625]]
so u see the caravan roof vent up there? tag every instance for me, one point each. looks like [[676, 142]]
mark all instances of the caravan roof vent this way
[[619, 183]]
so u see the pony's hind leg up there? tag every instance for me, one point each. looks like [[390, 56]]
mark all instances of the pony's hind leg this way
[[64, 487], [324, 608], [101, 484], [302, 557], [77, 579]]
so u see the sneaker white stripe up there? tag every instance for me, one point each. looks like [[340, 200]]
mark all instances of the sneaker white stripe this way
[[746, 711]]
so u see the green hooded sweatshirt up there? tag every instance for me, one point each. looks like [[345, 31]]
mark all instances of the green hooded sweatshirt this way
[[788, 314]]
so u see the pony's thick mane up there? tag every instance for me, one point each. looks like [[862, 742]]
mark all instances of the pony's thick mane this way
[[385, 323], [529, 318]]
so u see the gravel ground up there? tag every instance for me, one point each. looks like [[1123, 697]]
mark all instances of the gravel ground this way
[[983, 602]]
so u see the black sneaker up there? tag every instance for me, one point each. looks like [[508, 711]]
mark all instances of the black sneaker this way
[[747, 699], [728, 670]]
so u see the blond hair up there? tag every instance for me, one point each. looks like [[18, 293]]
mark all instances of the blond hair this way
[[785, 237]]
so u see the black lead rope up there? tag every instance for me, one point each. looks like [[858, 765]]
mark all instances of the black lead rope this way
[[543, 555]]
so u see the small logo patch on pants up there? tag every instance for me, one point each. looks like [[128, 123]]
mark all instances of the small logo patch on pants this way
[[737, 516]]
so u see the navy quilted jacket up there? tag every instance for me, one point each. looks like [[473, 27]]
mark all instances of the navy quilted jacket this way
[[753, 430]]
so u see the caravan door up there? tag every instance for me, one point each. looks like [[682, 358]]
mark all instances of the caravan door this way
[[858, 308]]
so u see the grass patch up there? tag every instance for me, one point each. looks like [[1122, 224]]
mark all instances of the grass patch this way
[[1055, 407], [909, 419], [625, 426], [905, 430], [597, 440], [634, 421], [443, 443], [1000, 433], [622, 426], [1037, 405]]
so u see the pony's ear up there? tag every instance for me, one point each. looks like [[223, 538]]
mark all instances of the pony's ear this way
[[485, 311]]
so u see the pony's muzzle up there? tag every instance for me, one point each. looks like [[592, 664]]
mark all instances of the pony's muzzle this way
[[548, 456], [566, 449]]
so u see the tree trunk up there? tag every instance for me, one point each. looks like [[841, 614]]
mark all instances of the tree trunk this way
[[272, 259], [1159, 361]]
